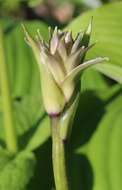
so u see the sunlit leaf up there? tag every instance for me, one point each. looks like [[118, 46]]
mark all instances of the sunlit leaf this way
[[97, 141], [107, 30], [17, 172]]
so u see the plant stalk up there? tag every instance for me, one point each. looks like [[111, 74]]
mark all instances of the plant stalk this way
[[11, 138], [58, 157]]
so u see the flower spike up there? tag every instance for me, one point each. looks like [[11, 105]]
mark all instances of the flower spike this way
[[61, 62]]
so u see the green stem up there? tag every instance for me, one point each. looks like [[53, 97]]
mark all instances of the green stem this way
[[58, 157], [11, 139]]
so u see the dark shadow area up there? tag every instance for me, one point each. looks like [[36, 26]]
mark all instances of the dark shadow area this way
[[89, 112], [2, 144], [2, 132], [43, 178], [115, 95], [80, 172], [9, 26], [18, 99]]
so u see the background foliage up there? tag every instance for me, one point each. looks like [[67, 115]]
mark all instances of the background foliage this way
[[95, 149]]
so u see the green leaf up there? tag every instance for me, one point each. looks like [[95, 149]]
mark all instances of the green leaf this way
[[107, 30], [17, 172], [96, 144], [41, 134], [25, 81], [6, 6], [27, 113], [108, 158], [23, 69], [107, 142], [92, 80], [112, 71], [34, 3], [32, 124], [4, 158]]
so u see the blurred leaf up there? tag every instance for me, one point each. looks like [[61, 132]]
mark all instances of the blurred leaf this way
[[32, 124], [112, 71], [17, 172], [7, 5], [4, 158], [92, 3], [34, 3], [14, 5], [107, 30], [92, 80], [107, 143], [28, 112], [24, 77], [96, 143], [23, 69], [40, 135]]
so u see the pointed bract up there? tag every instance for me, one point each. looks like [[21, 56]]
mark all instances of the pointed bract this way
[[68, 37], [87, 34], [68, 85], [74, 59], [54, 41], [56, 68], [62, 50], [76, 44], [32, 43]]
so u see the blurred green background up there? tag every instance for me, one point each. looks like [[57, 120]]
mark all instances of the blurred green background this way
[[95, 149], [55, 11]]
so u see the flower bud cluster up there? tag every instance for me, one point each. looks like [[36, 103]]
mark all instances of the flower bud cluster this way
[[61, 62]]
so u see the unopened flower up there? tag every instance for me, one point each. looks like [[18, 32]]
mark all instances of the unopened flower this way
[[61, 62]]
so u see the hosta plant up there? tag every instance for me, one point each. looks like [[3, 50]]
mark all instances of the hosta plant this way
[[93, 159]]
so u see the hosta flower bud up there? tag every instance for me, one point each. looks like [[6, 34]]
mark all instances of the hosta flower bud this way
[[61, 62]]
